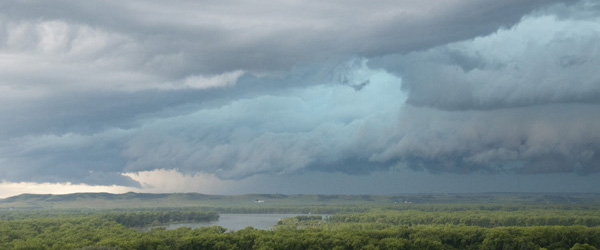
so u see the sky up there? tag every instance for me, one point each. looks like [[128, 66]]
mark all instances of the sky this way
[[328, 97]]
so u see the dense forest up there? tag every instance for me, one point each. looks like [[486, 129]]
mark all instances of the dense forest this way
[[103, 234], [405, 226]]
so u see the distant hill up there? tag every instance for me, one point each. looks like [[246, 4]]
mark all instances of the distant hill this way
[[106, 196], [255, 201]]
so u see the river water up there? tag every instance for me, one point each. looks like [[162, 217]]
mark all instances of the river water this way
[[236, 221]]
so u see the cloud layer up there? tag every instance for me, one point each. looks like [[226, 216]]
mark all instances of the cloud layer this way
[[177, 40], [235, 90], [520, 100], [542, 60]]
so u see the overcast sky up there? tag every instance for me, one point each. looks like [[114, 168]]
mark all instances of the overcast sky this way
[[231, 97]]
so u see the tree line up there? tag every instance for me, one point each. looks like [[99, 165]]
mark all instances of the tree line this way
[[482, 218], [98, 233], [150, 218]]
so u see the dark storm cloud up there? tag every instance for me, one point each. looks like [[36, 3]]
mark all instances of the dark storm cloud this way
[[87, 113], [65, 158], [193, 37], [321, 128], [537, 139], [542, 60], [522, 100], [90, 90]]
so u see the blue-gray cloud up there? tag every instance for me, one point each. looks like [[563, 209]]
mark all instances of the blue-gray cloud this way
[[538, 139], [520, 100], [204, 36], [282, 88], [540, 61], [323, 127]]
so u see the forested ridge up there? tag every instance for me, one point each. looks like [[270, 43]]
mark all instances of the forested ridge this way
[[290, 203]]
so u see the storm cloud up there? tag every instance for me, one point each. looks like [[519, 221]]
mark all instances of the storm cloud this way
[[523, 99], [543, 60], [90, 91]]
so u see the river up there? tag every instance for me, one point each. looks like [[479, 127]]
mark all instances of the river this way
[[235, 222]]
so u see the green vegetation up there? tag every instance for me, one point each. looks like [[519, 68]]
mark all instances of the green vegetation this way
[[154, 218], [364, 225], [127, 218], [481, 218], [86, 232]]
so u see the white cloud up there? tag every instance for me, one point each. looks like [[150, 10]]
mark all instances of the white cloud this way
[[221, 80], [171, 181], [8, 189]]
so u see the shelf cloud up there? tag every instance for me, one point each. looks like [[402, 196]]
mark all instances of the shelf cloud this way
[[96, 92]]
